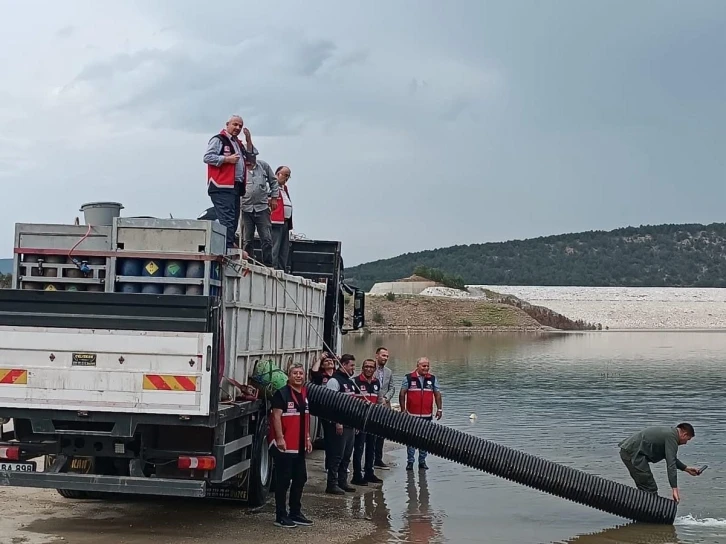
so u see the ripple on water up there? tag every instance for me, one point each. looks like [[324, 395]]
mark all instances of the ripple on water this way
[[569, 399]]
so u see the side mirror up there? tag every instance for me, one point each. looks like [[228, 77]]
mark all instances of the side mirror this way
[[359, 309]]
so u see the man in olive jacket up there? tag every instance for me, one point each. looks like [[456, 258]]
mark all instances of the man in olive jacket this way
[[652, 445]]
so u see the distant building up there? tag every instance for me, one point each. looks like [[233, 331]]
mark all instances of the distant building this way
[[412, 285]]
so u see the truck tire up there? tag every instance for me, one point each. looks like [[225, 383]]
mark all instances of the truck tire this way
[[73, 494], [261, 466]]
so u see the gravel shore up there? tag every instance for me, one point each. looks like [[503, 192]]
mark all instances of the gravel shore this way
[[41, 516]]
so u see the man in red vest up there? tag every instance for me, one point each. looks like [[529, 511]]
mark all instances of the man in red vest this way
[[226, 174], [419, 390], [369, 389], [289, 440]]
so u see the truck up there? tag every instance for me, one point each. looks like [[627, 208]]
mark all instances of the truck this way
[[138, 357]]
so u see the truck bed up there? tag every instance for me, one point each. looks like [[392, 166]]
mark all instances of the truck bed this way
[[106, 352]]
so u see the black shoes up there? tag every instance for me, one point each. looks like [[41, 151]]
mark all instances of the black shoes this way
[[285, 523], [334, 490], [381, 465], [373, 479], [357, 480], [299, 519], [292, 521]]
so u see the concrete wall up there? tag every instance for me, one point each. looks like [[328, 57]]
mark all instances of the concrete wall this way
[[401, 287]]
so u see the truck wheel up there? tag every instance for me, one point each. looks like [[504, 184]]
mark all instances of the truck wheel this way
[[260, 477], [73, 494]]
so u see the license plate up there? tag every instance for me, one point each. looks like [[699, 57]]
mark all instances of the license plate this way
[[6, 466]]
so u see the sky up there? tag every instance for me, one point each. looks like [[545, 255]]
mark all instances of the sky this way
[[408, 125]]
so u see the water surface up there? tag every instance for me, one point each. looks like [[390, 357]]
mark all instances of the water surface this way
[[569, 398]]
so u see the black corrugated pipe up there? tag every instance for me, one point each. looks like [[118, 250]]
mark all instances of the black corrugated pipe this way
[[562, 481]]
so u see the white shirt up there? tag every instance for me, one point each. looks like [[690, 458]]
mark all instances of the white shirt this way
[[287, 202]]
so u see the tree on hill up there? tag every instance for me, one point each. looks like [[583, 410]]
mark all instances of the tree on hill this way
[[434, 274], [690, 255], [5, 281]]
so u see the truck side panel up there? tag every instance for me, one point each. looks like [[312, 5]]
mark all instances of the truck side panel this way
[[106, 370]]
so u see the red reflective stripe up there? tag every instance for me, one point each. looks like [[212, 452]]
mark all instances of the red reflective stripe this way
[[158, 382], [186, 383], [11, 376]]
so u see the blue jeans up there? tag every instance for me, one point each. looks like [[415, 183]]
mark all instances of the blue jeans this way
[[226, 205], [421, 453]]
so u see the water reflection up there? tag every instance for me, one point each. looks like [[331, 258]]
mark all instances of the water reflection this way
[[422, 524], [569, 398], [634, 533]]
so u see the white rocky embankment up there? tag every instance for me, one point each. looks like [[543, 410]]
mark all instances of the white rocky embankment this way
[[618, 307]]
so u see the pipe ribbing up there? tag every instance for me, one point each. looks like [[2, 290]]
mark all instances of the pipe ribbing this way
[[517, 466]]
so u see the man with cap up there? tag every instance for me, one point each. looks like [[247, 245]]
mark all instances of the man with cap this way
[[261, 194]]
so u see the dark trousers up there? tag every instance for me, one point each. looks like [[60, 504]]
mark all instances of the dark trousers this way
[[226, 205], [341, 449], [280, 245], [363, 442], [639, 470], [290, 472], [379, 450], [261, 221]]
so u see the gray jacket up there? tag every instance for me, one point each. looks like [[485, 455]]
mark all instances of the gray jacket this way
[[387, 387], [214, 156], [652, 445], [260, 186]]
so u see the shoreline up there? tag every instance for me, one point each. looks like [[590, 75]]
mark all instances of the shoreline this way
[[42, 516]]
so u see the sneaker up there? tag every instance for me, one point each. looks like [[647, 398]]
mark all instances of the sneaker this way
[[299, 519], [286, 523], [423, 466], [334, 490], [373, 479], [359, 481], [346, 487], [409, 466], [381, 465]]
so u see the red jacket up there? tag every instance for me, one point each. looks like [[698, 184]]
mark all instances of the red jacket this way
[[296, 406], [277, 217], [420, 400], [222, 176]]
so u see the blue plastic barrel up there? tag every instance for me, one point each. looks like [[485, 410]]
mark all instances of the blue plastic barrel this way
[[175, 269], [194, 289], [129, 288], [152, 288], [174, 289], [152, 268], [129, 267], [195, 269]]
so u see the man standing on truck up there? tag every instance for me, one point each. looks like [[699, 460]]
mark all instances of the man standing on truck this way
[[370, 390], [261, 194], [226, 174], [290, 441], [419, 390], [342, 439], [652, 445]]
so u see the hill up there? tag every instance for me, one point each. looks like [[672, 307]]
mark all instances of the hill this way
[[687, 255]]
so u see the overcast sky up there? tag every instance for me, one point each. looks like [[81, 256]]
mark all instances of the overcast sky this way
[[408, 125]]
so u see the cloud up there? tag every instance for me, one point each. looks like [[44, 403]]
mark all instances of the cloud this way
[[410, 126]]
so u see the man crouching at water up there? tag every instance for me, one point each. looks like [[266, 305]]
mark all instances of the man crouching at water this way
[[652, 445]]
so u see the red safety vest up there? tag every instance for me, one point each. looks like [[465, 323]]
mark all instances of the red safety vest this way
[[296, 403], [222, 176], [277, 216], [368, 389], [420, 401]]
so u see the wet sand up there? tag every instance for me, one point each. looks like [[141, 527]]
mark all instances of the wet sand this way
[[40, 516]]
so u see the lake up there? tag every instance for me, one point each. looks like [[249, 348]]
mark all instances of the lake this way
[[570, 398]]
